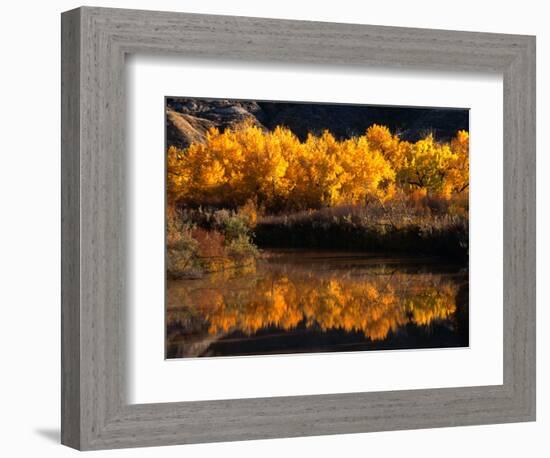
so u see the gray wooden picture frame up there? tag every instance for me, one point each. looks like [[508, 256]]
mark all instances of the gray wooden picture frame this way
[[95, 412]]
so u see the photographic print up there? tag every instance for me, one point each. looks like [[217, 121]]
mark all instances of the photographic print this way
[[300, 227]]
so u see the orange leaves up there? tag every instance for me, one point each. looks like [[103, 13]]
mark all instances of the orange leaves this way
[[210, 243], [279, 172], [373, 304]]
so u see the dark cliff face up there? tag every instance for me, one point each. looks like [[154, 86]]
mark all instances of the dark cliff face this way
[[345, 121], [188, 119]]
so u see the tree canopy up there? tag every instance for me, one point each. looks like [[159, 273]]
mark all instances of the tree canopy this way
[[280, 172]]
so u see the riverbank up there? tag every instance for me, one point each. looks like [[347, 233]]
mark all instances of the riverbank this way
[[368, 229], [201, 241]]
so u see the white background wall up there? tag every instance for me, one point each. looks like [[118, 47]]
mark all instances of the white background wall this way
[[30, 228]]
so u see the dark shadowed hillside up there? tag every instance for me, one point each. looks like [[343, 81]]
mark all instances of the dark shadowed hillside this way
[[188, 119]]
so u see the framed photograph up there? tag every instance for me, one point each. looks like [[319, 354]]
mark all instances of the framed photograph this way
[[285, 228], [311, 227]]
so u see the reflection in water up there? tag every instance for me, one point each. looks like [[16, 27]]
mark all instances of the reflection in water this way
[[318, 301]]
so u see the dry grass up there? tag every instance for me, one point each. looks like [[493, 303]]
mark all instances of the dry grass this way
[[429, 226]]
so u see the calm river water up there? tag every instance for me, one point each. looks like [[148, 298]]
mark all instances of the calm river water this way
[[296, 301]]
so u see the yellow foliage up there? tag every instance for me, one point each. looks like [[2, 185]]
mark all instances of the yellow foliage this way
[[249, 212], [374, 305], [459, 176], [278, 171]]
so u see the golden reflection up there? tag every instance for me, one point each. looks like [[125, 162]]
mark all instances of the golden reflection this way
[[287, 296]]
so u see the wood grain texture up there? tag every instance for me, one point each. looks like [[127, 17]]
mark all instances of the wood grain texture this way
[[70, 229], [96, 414]]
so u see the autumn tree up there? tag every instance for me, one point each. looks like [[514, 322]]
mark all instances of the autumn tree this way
[[459, 173], [425, 165], [279, 172]]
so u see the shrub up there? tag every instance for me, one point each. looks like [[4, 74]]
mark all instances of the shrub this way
[[200, 241], [181, 247], [211, 244], [242, 248]]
